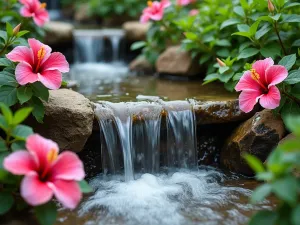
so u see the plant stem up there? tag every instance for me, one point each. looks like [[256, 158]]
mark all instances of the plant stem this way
[[279, 38]]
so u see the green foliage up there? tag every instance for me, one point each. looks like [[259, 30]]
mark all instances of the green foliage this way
[[278, 173], [241, 30], [46, 214]]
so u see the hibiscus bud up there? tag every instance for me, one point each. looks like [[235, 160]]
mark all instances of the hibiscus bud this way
[[271, 6], [17, 29], [220, 62]]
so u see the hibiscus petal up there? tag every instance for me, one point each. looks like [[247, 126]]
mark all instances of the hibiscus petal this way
[[21, 54], [20, 163], [248, 100], [25, 12], [67, 192], [24, 74], [34, 191], [41, 17], [36, 45], [261, 66], [246, 83], [52, 79], [68, 166], [56, 61], [272, 99], [40, 147], [275, 75]]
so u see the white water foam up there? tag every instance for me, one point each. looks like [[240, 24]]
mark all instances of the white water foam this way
[[183, 198]]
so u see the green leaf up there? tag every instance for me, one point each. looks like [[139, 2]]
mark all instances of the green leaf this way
[[3, 147], [291, 18], [138, 45], [288, 61], [211, 78], [254, 27], [22, 33], [85, 187], [262, 31], [7, 79], [281, 186], [261, 193], [248, 52], [293, 124], [191, 36], [264, 218], [254, 163], [6, 202], [8, 95], [19, 145], [7, 113], [230, 22], [290, 108], [296, 43], [239, 11], [38, 109], [270, 51], [46, 214], [21, 132], [24, 94], [3, 155], [243, 34], [40, 91], [9, 29], [296, 90], [6, 63], [276, 17], [21, 115], [293, 77], [223, 42], [3, 124], [223, 69], [296, 215]]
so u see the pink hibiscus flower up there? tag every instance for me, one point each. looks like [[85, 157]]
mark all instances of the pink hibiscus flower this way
[[194, 12], [37, 63], [185, 2], [154, 11], [36, 10], [258, 84], [46, 173]]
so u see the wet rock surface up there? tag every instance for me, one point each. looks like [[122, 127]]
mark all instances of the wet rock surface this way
[[257, 136], [68, 119], [175, 61], [136, 31], [216, 112], [141, 65], [58, 32]]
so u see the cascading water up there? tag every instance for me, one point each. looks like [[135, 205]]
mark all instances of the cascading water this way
[[89, 45], [139, 126], [181, 135], [53, 7]]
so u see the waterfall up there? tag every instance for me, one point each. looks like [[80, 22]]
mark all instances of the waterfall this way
[[137, 126], [181, 135], [90, 45], [53, 7]]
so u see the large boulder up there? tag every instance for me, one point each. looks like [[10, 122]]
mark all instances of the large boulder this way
[[58, 32], [257, 136], [175, 61], [217, 112], [141, 65], [136, 31], [68, 119]]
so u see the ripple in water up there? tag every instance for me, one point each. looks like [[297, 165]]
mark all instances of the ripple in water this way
[[182, 198]]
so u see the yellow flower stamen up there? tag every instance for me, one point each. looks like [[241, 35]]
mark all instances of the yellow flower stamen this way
[[43, 5], [255, 76], [149, 3], [40, 55], [52, 155]]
